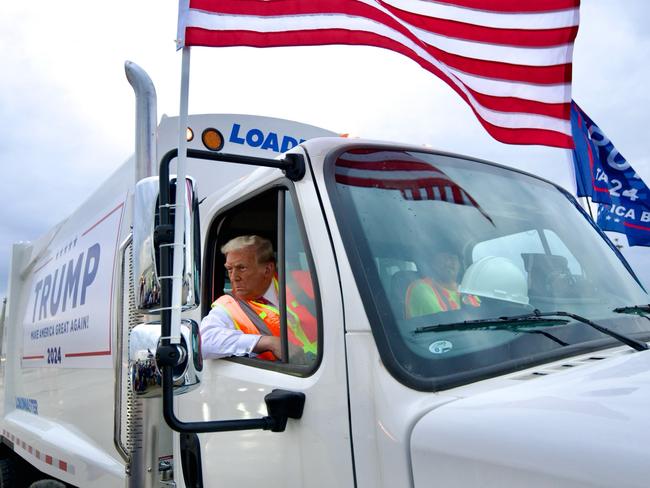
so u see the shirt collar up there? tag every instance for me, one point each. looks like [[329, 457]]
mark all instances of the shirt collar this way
[[271, 295]]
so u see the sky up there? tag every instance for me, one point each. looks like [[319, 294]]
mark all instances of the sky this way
[[67, 111]]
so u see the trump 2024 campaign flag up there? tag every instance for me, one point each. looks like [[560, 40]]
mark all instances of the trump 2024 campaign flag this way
[[605, 176], [509, 60]]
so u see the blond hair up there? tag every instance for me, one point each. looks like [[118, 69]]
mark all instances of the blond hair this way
[[263, 247]]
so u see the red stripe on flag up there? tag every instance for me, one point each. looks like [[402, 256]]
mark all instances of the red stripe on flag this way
[[584, 131], [492, 35], [519, 105], [457, 195], [384, 181], [541, 75], [388, 165], [289, 7], [543, 137], [514, 6], [636, 226], [362, 150]]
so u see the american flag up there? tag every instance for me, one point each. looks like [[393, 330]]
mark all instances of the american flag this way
[[510, 60], [397, 170]]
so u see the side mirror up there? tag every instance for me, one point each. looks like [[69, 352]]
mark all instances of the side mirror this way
[[146, 266], [146, 379]]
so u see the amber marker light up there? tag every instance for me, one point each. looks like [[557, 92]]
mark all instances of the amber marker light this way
[[212, 139]]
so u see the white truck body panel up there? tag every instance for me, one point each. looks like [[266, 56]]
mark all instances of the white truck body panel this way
[[584, 425], [361, 426]]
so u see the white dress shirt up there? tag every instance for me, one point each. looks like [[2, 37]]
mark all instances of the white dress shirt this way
[[220, 338]]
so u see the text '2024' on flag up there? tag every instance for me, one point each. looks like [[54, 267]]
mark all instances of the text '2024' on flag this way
[[510, 60], [605, 176]]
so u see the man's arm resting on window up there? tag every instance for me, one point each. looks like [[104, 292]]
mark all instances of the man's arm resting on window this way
[[268, 343], [220, 339]]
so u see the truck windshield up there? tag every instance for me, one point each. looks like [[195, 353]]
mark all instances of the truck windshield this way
[[435, 240]]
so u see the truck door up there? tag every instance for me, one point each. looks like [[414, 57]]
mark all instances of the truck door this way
[[315, 450]]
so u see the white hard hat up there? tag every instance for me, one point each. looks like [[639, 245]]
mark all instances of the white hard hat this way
[[495, 277]]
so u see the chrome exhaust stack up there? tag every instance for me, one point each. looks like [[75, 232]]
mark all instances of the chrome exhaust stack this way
[[146, 121], [147, 449]]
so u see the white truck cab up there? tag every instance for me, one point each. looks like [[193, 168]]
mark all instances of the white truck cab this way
[[534, 371]]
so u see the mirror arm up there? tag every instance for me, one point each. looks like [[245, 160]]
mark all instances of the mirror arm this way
[[281, 404], [293, 164]]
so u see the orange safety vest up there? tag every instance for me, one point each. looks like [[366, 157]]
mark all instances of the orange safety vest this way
[[270, 315], [444, 298]]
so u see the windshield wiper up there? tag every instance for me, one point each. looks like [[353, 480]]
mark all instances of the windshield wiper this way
[[517, 324], [642, 310], [633, 343], [535, 318], [499, 323]]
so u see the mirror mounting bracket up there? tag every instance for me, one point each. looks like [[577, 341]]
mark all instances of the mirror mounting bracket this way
[[164, 234], [283, 405], [168, 355]]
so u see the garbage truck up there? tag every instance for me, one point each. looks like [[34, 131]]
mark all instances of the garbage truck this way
[[531, 369]]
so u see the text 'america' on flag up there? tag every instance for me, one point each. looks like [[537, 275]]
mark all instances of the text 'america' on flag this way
[[510, 60]]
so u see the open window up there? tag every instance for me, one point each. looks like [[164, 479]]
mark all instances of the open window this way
[[272, 214]]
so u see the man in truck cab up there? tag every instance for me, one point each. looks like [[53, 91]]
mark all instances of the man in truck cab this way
[[438, 293], [246, 322]]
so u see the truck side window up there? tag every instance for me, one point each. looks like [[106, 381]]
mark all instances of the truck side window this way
[[271, 215]]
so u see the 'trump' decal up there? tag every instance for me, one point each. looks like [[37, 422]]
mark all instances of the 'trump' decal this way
[[68, 318]]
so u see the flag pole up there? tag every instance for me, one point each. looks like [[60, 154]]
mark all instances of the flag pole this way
[[181, 201], [588, 205]]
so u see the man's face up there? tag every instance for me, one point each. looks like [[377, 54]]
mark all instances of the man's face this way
[[249, 279], [446, 266]]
